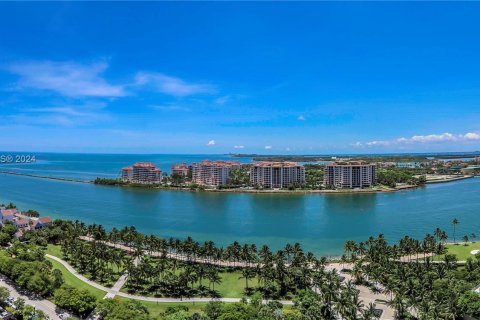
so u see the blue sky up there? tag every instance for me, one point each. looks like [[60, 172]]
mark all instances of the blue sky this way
[[300, 78]]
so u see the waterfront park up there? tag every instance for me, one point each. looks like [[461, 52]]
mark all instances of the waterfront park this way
[[124, 274]]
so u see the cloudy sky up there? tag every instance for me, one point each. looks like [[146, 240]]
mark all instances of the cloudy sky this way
[[272, 78]]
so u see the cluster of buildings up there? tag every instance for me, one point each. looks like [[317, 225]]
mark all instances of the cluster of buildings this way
[[352, 174], [21, 221], [264, 174]]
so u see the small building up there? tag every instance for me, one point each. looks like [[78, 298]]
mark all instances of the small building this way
[[42, 222], [8, 215], [408, 165], [21, 223], [142, 172]]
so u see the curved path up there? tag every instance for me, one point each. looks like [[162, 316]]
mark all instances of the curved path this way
[[115, 292], [365, 294]]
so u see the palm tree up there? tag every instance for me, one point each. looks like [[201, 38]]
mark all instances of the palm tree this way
[[454, 223]]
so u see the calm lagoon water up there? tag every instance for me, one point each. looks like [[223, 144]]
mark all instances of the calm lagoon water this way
[[321, 223]]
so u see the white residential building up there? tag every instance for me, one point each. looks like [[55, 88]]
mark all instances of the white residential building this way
[[213, 173], [353, 174], [277, 174]]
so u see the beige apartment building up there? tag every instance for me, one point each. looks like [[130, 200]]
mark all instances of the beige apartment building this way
[[353, 174], [142, 172], [180, 169], [213, 173], [277, 174]]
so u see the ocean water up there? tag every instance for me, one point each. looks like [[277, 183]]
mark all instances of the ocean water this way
[[91, 166], [321, 223]]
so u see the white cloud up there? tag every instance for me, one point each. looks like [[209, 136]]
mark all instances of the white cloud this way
[[66, 78], [222, 100], [287, 149], [472, 136], [211, 143], [422, 139], [268, 147], [61, 115], [171, 85], [239, 147], [301, 118], [171, 107]]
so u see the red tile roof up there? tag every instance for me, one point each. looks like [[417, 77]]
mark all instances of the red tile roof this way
[[9, 212], [21, 222], [45, 220]]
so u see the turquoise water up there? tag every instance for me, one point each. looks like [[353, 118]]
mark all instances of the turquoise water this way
[[91, 166], [321, 223]]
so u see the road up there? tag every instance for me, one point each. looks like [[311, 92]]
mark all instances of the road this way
[[40, 304]]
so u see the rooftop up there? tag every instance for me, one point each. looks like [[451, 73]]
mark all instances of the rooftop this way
[[220, 163], [278, 164]]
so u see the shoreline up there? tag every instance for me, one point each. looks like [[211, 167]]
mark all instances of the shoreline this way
[[250, 191], [449, 179]]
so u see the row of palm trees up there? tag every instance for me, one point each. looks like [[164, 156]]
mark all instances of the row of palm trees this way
[[408, 271], [286, 273], [418, 285]]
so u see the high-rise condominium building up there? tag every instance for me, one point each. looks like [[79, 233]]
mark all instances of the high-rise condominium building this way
[[180, 169], [213, 173], [353, 174], [277, 174], [142, 172]]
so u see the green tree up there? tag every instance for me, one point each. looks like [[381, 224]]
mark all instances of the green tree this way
[[80, 302], [455, 222]]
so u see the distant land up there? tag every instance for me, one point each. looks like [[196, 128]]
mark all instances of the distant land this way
[[395, 157]]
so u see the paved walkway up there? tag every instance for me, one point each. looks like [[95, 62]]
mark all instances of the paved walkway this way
[[120, 282], [41, 304], [114, 292], [366, 296]]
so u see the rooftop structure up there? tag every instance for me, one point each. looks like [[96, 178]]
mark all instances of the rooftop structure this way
[[269, 174], [142, 172], [213, 173], [352, 174], [180, 169]]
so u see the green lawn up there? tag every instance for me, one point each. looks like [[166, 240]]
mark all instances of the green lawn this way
[[462, 251], [54, 250], [232, 286], [73, 281], [155, 308]]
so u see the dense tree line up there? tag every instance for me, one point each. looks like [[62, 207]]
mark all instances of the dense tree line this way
[[418, 286], [29, 269], [391, 176]]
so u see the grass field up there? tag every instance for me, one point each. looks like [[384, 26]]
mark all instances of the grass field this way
[[232, 285], [73, 281], [463, 251], [54, 250], [156, 308]]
